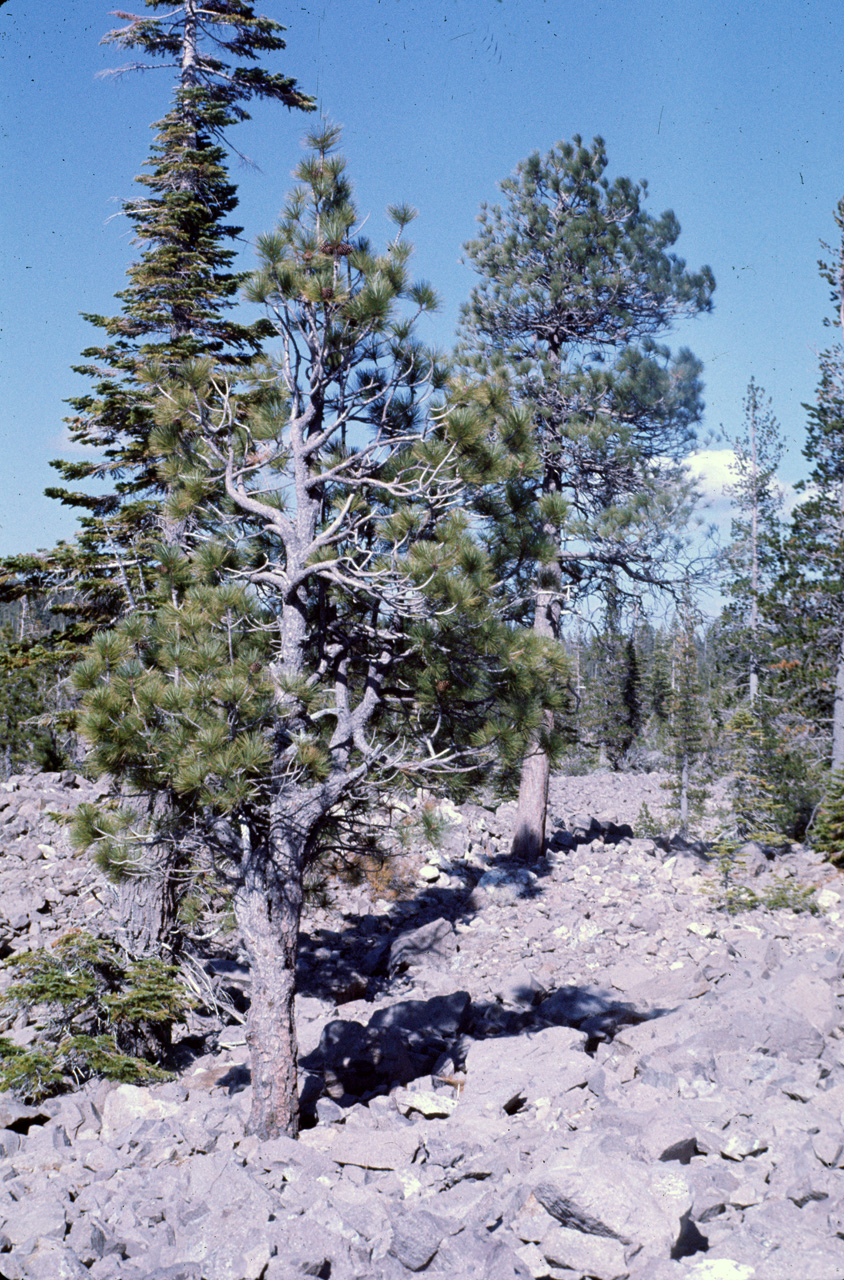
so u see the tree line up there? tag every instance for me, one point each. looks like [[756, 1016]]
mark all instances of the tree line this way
[[323, 563]]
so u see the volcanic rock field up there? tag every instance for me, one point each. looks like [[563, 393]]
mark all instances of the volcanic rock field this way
[[584, 1069]]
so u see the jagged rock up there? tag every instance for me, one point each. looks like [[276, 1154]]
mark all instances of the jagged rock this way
[[593, 1072], [626, 1201], [597, 1256], [417, 1236], [431, 945]]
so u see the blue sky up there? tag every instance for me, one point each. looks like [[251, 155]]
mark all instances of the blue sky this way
[[731, 111]]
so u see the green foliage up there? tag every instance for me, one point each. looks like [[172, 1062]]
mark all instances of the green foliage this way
[[339, 628], [618, 716], [757, 812], [577, 280], [577, 283], [433, 824], [36, 713], [827, 832], [98, 1014], [688, 728], [178, 305], [646, 824], [803, 607], [732, 895]]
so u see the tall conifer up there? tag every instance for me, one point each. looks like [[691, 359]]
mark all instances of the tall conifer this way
[[178, 301], [340, 633], [805, 603], [578, 282]]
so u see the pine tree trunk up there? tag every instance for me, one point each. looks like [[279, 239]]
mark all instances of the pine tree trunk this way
[[268, 906], [684, 795], [529, 837], [147, 908], [838, 710]]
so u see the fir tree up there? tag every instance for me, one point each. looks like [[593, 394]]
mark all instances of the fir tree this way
[[577, 284], [806, 601], [618, 688], [827, 832], [384, 659], [177, 304], [755, 530]]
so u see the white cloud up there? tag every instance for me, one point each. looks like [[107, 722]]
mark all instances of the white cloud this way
[[714, 471]]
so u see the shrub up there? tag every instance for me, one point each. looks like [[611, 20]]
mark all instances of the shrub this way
[[827, 833], [99, 1013]]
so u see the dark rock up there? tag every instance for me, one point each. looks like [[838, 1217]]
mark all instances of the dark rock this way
[[431, 945], [417, 1236]]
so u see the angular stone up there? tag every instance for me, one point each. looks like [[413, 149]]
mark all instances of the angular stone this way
[[431, 945], [519, 987], [828, 1145], [721, 1269], [129, 1102], [40, 1216], [239, 1259], [501, 1071], [358, 1059], [416, 1238], [442, 1017], [625, 1200], [52, 1260], [376, 1149], [599, 1257], [433, 1105]]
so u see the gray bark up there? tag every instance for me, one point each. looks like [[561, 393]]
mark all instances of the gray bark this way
[[529, 835], [684, 795], [268, 907], [147, 907]]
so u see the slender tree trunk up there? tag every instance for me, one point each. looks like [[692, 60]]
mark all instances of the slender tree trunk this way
[[838, 709], [268, 906], [754, 564], [838, 701], [684, 795], [529, 836]]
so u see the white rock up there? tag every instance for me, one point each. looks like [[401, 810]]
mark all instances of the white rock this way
[[128, 1103], [721, 1269]]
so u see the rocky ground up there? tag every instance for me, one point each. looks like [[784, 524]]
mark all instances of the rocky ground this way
[[579, 1069]]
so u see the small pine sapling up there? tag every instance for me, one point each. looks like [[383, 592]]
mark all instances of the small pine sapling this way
[[98, 1014], [827, 833]]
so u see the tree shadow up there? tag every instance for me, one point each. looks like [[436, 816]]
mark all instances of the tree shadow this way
[[374, 956]]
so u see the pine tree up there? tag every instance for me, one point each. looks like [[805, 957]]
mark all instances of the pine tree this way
[[755, 530], [365, 650], [805, 603], [577, 283]]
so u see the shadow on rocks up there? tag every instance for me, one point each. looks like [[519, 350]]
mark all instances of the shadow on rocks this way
[[376, 957]]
